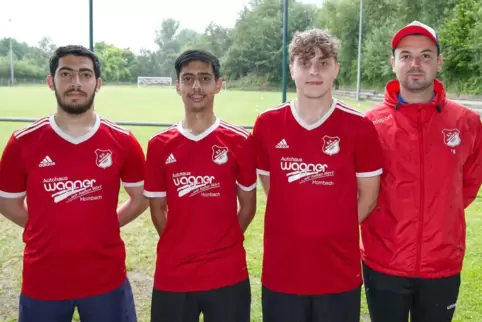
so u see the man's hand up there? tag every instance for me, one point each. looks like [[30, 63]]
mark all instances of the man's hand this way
[[368, 188], [132, 207]]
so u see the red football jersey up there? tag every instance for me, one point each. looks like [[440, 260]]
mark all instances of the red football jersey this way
[[311, 237], [201, 247], [73, 243]]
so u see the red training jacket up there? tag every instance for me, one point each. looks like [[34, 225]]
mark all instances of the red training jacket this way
[[432, 172]]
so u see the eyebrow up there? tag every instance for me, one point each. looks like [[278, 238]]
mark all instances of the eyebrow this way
[[80, 70], [423, 51], [192, 74]]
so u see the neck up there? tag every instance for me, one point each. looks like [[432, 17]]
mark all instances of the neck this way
[[75, 125], [312, 110], [417, 97], [197, 123]]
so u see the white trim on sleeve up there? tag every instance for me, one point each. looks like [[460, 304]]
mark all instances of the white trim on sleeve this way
[[250, 188], [133, 184], [12, 195], [262, 172], [154, 194], [369, 174]]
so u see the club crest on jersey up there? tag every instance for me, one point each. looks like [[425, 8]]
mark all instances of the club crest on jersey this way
[[103, 158], [331, 145], [451, 137], [220, 154]]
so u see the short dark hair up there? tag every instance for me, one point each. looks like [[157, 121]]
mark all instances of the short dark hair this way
[[197, 55], [74, 50]]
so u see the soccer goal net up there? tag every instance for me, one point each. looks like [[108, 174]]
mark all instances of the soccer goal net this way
[[154, 81]]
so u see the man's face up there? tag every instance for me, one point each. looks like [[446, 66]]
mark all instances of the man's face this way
[[197, 86], [314, 73], [416, 63], [74, 84]]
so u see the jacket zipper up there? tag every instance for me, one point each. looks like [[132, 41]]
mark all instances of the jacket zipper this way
[[422, 188]]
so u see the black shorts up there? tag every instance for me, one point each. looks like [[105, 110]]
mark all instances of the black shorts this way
[[340, 307], [230, 303], [394, 298]]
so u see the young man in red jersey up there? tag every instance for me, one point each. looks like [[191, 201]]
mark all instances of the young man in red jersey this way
[[60, 180], [195, 173], [414, 242], [319, 163]]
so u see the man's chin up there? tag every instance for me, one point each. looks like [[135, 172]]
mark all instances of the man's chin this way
[[75, 109]]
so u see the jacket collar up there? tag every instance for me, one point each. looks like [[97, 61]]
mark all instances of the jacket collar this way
[[392, 91]]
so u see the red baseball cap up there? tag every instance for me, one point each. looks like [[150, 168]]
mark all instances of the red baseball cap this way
[[418, 28]]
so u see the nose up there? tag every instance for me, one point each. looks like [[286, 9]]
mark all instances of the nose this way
[[416, 62], [314, 69], [196, 84]]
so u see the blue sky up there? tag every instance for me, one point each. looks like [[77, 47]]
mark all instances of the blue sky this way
[[113, 19]]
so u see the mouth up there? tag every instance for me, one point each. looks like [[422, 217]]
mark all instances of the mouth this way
[[76, 94], [315, 83], [196, 97]]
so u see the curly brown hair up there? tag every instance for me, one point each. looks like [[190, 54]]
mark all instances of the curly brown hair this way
[[304, 43]]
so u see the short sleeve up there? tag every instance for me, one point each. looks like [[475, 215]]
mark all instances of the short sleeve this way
[[13, 174], [132, 173], [368, 151], [246, 165], [154, 183], [260, 149]]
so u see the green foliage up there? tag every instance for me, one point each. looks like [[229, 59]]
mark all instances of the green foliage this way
[[252, 50]]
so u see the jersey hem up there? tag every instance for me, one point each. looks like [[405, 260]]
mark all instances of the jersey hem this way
[[369, 174], [250, 188], [12, 195], [133, 184], [262, 172], [387, 271], [169, 288], [311, 291], [154, 194]]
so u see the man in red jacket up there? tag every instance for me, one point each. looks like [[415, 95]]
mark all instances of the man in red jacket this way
[[413, 243]]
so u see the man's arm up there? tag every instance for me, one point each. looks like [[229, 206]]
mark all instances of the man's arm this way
[[13, 183], [247, 207], [158, 207], [14, 209], [265, 183], [368, 188], [473, 170], [135, 205], [132, 177]]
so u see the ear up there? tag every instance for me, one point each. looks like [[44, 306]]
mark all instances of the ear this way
[[291, 71], [337, 69], [440, 61], [177, 87], [99, 85], [392, 62], [219, 85], [50, 82]]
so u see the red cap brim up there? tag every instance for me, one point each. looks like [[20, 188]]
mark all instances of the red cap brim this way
[[411, 30]]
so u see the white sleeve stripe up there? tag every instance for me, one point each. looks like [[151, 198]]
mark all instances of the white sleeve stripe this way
[[262, 172], [251, 187], [369, 174], [10, 195], [154, 194], [133, 184]]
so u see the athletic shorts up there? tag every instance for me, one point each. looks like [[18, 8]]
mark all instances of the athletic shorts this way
[[395, 298], [339, 307], [115, 306], [230, 303]]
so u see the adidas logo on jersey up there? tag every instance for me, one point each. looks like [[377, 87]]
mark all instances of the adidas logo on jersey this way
[[282, 145], [46, 162], [170, 159]]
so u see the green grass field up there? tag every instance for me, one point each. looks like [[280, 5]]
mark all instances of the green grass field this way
[[164, 105]]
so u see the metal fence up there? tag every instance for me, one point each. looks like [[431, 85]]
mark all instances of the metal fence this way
[[131, 123]]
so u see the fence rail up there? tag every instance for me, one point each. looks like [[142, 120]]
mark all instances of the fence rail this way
[[129, 123]]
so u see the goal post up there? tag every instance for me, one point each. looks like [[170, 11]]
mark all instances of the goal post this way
[[154, 81]]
